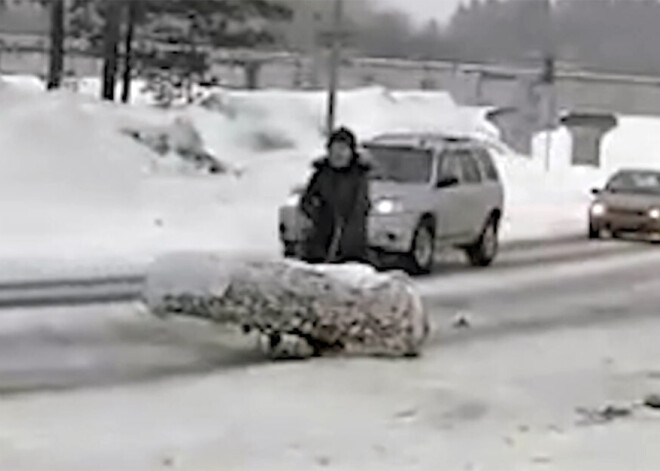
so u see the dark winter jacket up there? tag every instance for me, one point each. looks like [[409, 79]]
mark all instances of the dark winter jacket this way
[[337, 203]]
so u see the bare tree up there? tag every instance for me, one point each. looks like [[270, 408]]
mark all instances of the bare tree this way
[[131, 19], [111, 36], [56, 58]]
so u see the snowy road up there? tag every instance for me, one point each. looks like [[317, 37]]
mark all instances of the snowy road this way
[[79, 333], [107, 281], [545, 338]]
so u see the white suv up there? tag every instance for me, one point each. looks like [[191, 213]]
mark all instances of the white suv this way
[[428, 191]]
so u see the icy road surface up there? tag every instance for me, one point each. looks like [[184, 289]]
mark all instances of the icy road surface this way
[[108, 387]]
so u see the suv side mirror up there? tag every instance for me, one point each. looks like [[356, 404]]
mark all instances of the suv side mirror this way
[[446, 182]]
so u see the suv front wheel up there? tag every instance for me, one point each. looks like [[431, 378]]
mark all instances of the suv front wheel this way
[[422, 253], [594, 231], [483, 252]]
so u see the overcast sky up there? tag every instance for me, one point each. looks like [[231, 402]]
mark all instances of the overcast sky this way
[[422, 11]]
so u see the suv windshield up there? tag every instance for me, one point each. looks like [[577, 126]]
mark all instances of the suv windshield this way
[[635, 182], [400, 165]]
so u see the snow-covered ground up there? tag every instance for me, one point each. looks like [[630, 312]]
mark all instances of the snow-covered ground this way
[[495, 404], [75, 185], [483, 398]]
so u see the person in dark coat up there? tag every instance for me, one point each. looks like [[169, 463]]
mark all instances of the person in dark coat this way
[[337, 203]]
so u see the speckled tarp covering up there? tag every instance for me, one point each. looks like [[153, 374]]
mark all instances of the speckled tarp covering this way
[[299, 310]]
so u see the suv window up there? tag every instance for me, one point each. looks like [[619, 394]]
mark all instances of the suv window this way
[[400, 164], [451, 166], [470, 167], [486, 161]]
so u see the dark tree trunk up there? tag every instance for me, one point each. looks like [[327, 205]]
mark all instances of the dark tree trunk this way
[[252, 69], [111, 34], [56, 60], [190, 66], [131, 9]]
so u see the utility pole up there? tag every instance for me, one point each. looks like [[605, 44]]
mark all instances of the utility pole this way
[[335, 60], [549, 72], [550, 82]]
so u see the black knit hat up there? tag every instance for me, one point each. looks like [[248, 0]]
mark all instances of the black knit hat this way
[[343, 135]]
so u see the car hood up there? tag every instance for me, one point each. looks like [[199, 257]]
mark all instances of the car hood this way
[[630, 201], [382, 189]]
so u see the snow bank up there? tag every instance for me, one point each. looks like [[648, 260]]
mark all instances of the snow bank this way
[[545, 198], [635, 142], [274, 135], [74, 182], [91, 86], [549, 197], [296, 120], [27, 83], [81, 173], [64, 173]]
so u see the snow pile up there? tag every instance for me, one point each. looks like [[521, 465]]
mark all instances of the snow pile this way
[[180, 145], [76, 181], [25, 83], [259, 121], [545, 197], [272, 136], [548, 197], [78, 172], [635, 142], [542, 200], [91, 86], [209, 274], [64, 174], [194, 273]]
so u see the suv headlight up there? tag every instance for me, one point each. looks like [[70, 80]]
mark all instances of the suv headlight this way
[[654, 213], [293, 200], [388, 206], [598, 209]]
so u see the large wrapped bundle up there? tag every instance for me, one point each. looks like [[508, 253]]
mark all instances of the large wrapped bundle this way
[[298, 309]]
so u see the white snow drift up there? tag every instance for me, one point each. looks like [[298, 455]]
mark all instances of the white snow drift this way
[[74, 180]]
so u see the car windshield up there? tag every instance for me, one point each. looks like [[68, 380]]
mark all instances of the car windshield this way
[[635, 182], [400, 164]]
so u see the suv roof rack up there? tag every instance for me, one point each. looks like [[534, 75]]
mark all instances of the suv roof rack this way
[[418, 139]]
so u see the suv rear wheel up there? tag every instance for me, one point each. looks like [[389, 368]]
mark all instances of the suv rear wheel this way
[[422, 253], [594, 232], [484, 251], [292, 250]]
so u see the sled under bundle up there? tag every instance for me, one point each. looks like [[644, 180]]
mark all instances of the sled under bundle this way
[[299, 309]]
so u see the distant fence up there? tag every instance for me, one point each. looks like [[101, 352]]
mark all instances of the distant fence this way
[[471, 84]]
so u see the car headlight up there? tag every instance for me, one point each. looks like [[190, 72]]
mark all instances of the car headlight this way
[[598, 209], [293, 199], [654, 213], [388, 206]]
